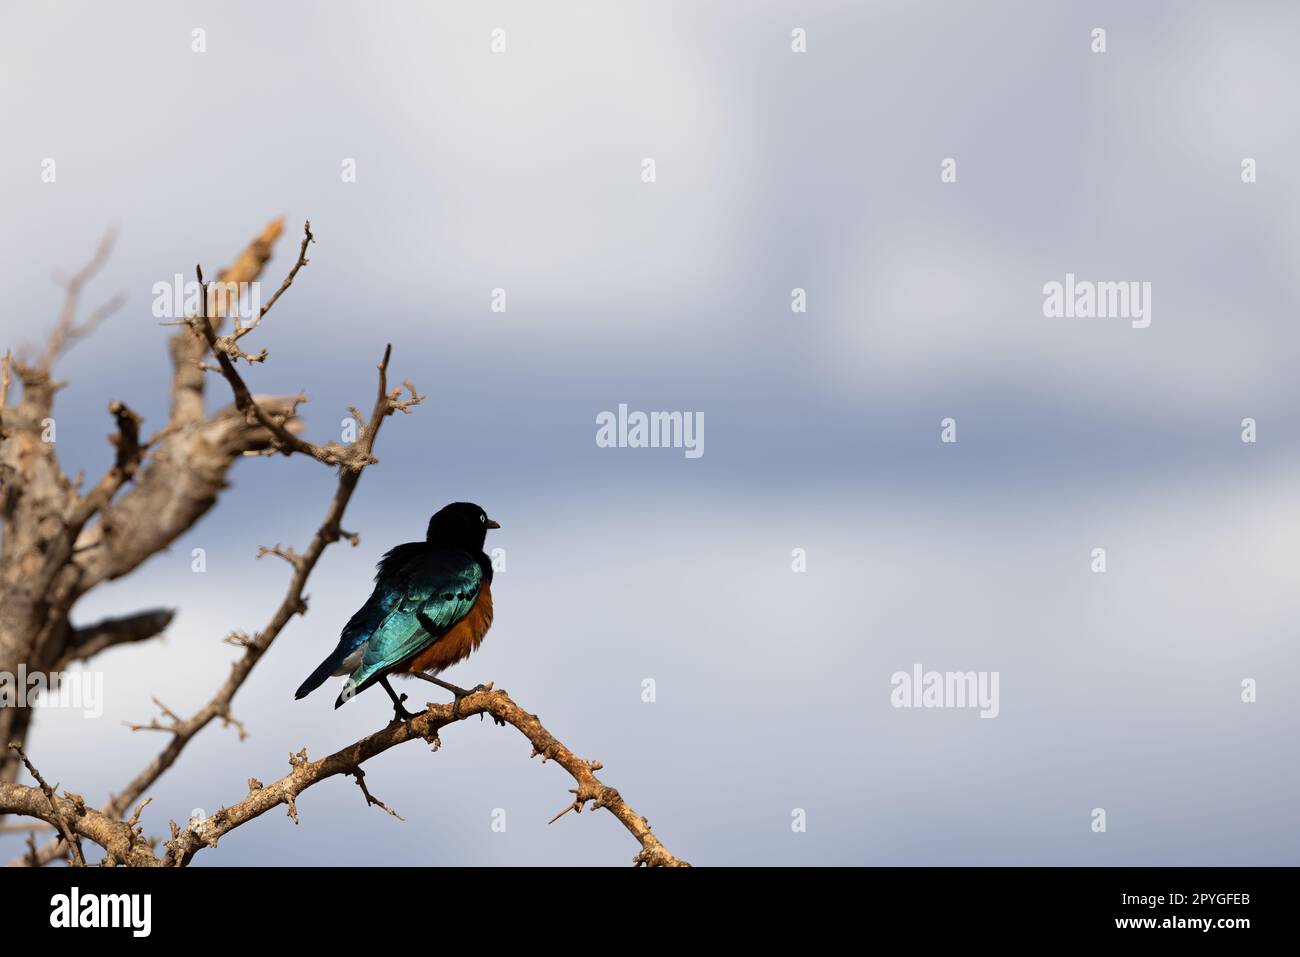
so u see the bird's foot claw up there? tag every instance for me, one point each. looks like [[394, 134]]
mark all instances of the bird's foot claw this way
[[487, 687], [400, 714], [455, 704], [464, 693]]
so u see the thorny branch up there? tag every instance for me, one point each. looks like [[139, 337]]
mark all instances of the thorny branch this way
[[304, 774], [123, 841], [425, 726], [60, 817], [183, 730], [353, 457], [58, 542]]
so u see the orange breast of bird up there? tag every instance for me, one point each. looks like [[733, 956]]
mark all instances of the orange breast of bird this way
[[457, 644]]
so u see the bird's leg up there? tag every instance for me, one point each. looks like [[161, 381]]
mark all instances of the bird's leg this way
[[454, 689], [399, 712]]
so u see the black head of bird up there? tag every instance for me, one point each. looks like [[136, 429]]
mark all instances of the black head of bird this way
[[461, 524]]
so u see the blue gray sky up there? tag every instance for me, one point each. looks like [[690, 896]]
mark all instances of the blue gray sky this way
[[775, 170]]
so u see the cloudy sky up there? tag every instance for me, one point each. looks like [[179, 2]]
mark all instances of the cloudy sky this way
[[774, 170]]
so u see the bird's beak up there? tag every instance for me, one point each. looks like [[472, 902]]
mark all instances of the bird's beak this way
[[493, 524]]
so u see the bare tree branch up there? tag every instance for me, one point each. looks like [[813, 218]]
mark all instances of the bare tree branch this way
[[182, 731], [60, 818], [242, 330], [68, 331], [90, 640], [187, 470], [293, 603], [179, 483], [123, 843], [53, 551], [304, 774], [58, 552], [352, 457], [4, 378], [36, 502], [175, 476], [360, 775], [188, 345]]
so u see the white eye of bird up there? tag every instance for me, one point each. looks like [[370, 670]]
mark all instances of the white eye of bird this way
[[482, 518]]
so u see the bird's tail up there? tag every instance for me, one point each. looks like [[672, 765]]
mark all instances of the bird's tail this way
[[317, 677], [350, 689]]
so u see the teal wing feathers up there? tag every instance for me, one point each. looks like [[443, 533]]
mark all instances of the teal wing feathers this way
[[436, 594]]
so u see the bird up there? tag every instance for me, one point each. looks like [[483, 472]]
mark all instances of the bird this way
[[430, 608]]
